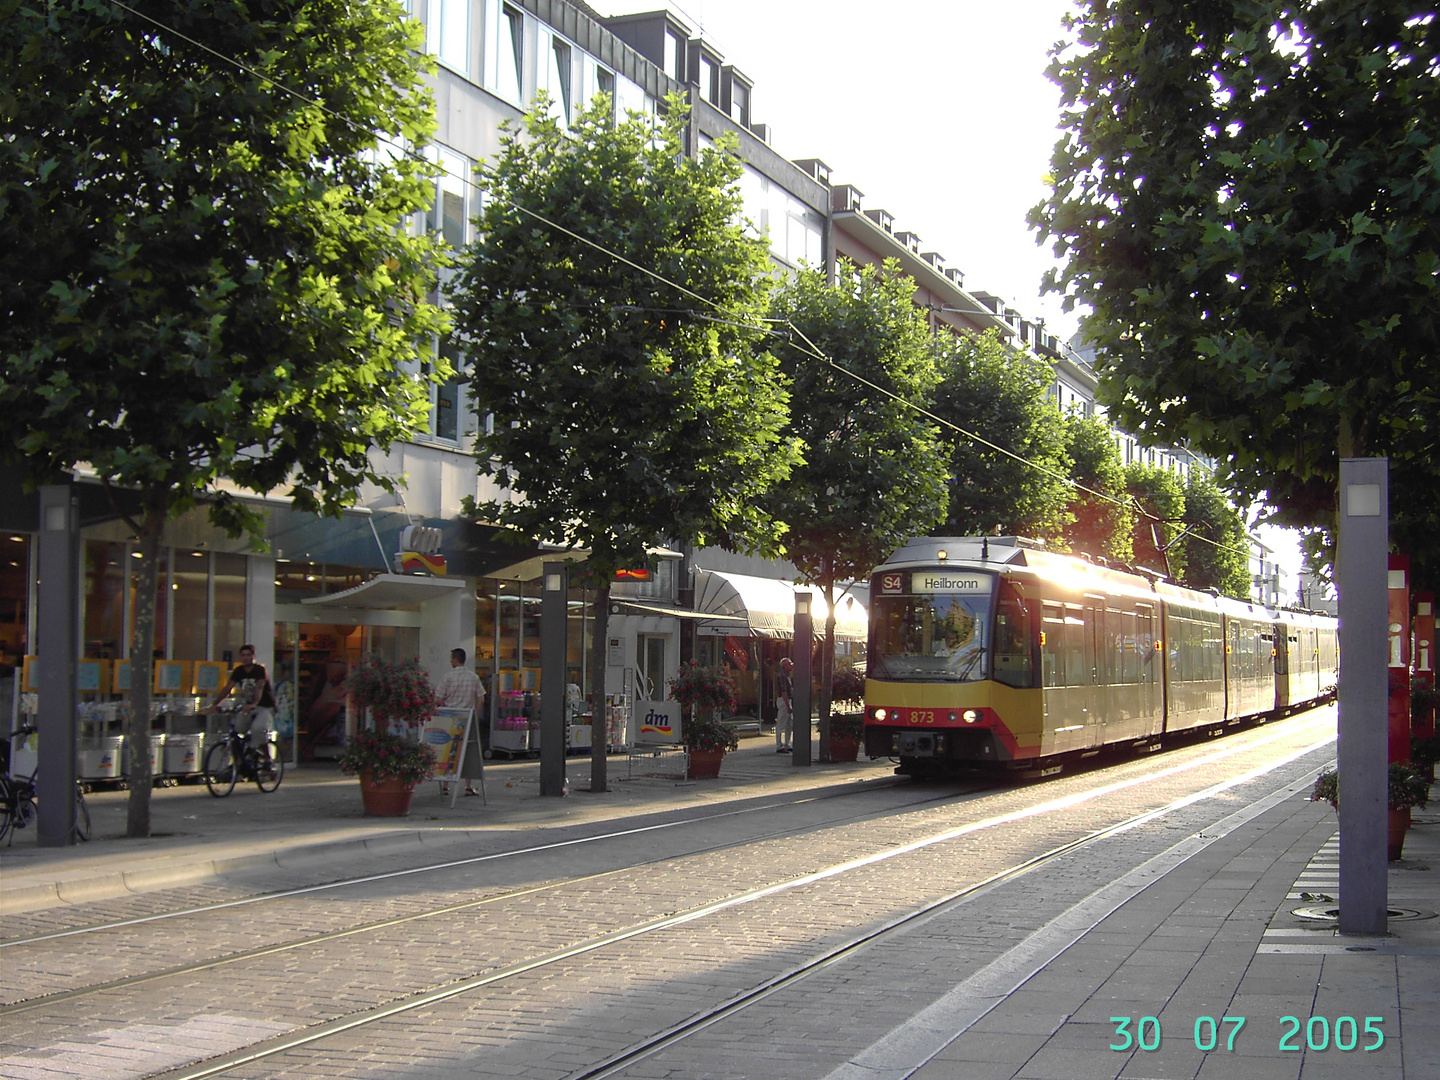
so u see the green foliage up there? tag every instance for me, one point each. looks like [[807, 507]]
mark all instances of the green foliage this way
[[205, 277], [206, 283], [387, 757], [1160, 505], [1249, 202], [848, 726], [848, 686], [1000, 395], [1406, 787], [1100, 525], [1216, 551], [625, 409], [702, 731], [874, 473]]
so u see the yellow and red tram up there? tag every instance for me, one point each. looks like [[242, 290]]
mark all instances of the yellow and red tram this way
[[990, 650]]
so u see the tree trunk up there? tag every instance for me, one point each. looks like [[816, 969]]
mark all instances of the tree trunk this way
[[600, 710], [827, 657], [142, 649]]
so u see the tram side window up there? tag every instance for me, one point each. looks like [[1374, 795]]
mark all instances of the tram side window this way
[[1013, 665], [1052, 644]]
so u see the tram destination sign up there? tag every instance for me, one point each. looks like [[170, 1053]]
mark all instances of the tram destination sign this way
[[947, 581]]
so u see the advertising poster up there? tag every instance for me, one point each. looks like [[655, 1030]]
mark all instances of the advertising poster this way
[[446, 736]]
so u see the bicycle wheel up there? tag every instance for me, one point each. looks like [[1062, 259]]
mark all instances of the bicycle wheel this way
[[220, 769], [269, 768], [7, 806], [82, 816]]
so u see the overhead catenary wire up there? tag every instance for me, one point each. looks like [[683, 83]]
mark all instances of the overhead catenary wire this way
[[1128, 502]]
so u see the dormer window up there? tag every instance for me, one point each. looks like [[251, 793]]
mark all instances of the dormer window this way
[[674, 56], [710, 80], [740, 103]]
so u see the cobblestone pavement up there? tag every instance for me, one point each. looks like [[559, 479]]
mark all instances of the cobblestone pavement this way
[[554, 948]]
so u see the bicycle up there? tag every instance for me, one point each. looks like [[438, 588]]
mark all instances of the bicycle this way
[[18, 808], [233, 758]]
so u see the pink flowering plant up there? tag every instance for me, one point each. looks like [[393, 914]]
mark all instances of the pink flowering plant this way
[[396, 693], [387, 757], [701, 692]]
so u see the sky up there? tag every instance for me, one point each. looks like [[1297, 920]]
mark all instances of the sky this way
[[939, 111]]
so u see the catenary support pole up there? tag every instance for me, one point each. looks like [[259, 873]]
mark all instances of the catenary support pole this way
[[552, 679], [800, 721], [56, 631], [1361, 578]]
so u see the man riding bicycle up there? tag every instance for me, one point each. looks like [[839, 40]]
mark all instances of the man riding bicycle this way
[[257, 698]]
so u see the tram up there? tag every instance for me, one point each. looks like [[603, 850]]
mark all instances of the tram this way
[[990, 651]]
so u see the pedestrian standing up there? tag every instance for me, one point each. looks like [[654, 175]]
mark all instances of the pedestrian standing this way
[[784, 706], [461, 689]]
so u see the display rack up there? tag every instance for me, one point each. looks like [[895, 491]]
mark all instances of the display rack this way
[[514, 725]]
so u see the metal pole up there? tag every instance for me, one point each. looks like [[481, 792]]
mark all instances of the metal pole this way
[[58, 602], [800, 721], [552, 679], [1361, 578]]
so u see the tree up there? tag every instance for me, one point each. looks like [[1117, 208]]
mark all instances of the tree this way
[[1216, 549], [1102, 523], [626, 409], [205, 277], [1248, 198], [874, 471], [1000, 395], [1159, 500]]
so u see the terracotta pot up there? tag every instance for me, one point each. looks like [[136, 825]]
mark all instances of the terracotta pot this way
[[385, 798], [843, 749], [705, 764], [1398, 822]]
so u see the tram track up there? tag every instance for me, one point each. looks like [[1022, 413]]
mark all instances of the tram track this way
[[616, 1063], [30, 1004]]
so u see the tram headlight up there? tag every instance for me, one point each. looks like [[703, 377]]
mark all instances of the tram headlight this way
[[880, 714], [971, 715]]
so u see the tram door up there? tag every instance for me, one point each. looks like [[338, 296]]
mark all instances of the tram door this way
[[1151, 684]]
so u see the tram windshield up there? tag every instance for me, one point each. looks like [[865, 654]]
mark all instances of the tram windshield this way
[[939, 636]]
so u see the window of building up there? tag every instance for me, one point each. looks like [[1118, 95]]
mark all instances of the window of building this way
[[557, 79], [448, 34], [710, 80], [505, 50], [740, 104], [674, 56], [445, 397], [650, 667], [449, 214]]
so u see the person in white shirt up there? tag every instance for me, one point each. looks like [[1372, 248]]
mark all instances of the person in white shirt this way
[[461, 689]]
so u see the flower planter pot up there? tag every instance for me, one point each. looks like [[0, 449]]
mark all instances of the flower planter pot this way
[[705, 764], [385, 798], [1398, 822], [843, 749]]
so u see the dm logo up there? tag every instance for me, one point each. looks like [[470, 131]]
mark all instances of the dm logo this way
[[656, 723]]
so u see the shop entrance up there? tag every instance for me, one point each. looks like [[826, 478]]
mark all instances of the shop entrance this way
[[312, 661]]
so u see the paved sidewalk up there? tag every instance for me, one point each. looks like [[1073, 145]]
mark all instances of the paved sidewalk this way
[[316, 815], [1120, 985]]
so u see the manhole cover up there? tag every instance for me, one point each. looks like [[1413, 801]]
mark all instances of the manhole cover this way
[[1329, 913]]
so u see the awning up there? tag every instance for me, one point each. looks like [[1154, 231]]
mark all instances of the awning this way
[[389, 592], [767, 606]]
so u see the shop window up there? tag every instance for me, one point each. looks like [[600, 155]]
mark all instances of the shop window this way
[[190, 605], [229, 613], [105, 590], [650, 667], [15, 578]]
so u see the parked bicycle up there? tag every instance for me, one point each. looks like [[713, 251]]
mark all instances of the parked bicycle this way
[[233, 758], [18, 809]]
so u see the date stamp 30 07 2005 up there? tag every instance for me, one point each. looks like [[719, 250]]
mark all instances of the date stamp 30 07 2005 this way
[[1319, 1034]]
